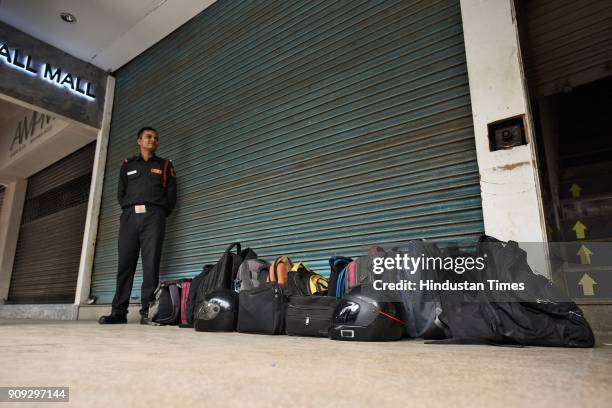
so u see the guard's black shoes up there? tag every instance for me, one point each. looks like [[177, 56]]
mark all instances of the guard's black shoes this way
[[112, 319], [144, 320]]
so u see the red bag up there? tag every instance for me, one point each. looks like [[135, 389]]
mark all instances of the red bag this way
[[184, 296]]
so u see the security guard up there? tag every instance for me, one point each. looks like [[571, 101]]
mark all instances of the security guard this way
[[147, 195]]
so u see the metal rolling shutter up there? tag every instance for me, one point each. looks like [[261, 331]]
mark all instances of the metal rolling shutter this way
[[51, 233], [567, 43], [301, 128]]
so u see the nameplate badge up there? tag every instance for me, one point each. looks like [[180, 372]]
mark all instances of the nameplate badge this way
[[129, 173], [140, 209]]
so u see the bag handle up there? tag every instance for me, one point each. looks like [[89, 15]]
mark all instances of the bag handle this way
[[235, 244], [301, 268], [273, 269], [343, 261], [277, 261]]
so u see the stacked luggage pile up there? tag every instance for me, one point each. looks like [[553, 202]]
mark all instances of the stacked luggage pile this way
[[246, 294]]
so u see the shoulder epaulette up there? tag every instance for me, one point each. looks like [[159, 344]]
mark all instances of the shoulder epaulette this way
[[129, 159]]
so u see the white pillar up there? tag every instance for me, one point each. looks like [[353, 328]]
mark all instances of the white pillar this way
[[10, 221], [95, 200], [509, 181]]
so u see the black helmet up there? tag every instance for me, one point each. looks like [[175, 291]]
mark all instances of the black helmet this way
[[359, 317], [218, 312]]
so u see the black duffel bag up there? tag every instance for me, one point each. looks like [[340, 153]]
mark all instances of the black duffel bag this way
[[539, 315], [262, 310], [218, 276], [223, 274], [310, 315]]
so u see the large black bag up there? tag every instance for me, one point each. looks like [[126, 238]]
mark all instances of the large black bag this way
[[310, 315], [421, 309], [193, 293], [262, 310], [538, 316], [223, 274]]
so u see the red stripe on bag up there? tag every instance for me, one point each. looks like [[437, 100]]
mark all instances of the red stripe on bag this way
[[388, 316], [184, 297]]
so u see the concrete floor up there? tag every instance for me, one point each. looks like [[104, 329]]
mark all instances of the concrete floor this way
[[145, 366]]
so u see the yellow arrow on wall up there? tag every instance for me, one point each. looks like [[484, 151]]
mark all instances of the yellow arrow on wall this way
[[585, 255], [580, 228], [575, 190], [587, 285]]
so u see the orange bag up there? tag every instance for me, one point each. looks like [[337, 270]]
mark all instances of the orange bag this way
[[279, 269]]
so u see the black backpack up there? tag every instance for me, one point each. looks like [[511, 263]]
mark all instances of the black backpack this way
[[193, 293], [222, 275], [421, 309], [166, 308], [539, 316]]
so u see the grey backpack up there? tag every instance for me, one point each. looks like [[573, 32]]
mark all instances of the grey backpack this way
[[251, 274]]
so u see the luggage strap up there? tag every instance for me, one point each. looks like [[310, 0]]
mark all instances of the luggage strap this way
[[472, 341]]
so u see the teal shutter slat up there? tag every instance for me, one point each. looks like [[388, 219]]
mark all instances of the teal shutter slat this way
[[301, 128]]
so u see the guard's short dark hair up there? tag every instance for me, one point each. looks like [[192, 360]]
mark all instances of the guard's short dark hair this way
[[140, 132]]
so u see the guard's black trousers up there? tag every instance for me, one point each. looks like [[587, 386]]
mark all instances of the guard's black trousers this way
[[139, 233]]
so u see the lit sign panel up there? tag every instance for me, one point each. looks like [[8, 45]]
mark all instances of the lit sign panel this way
[[16, 59]]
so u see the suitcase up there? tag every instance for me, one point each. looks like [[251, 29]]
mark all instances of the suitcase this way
[[310, 315]]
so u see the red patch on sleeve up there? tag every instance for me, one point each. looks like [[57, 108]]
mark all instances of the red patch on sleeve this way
[[172, 173]]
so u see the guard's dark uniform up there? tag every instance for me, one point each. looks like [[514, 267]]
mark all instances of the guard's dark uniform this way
[[152, 184]]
